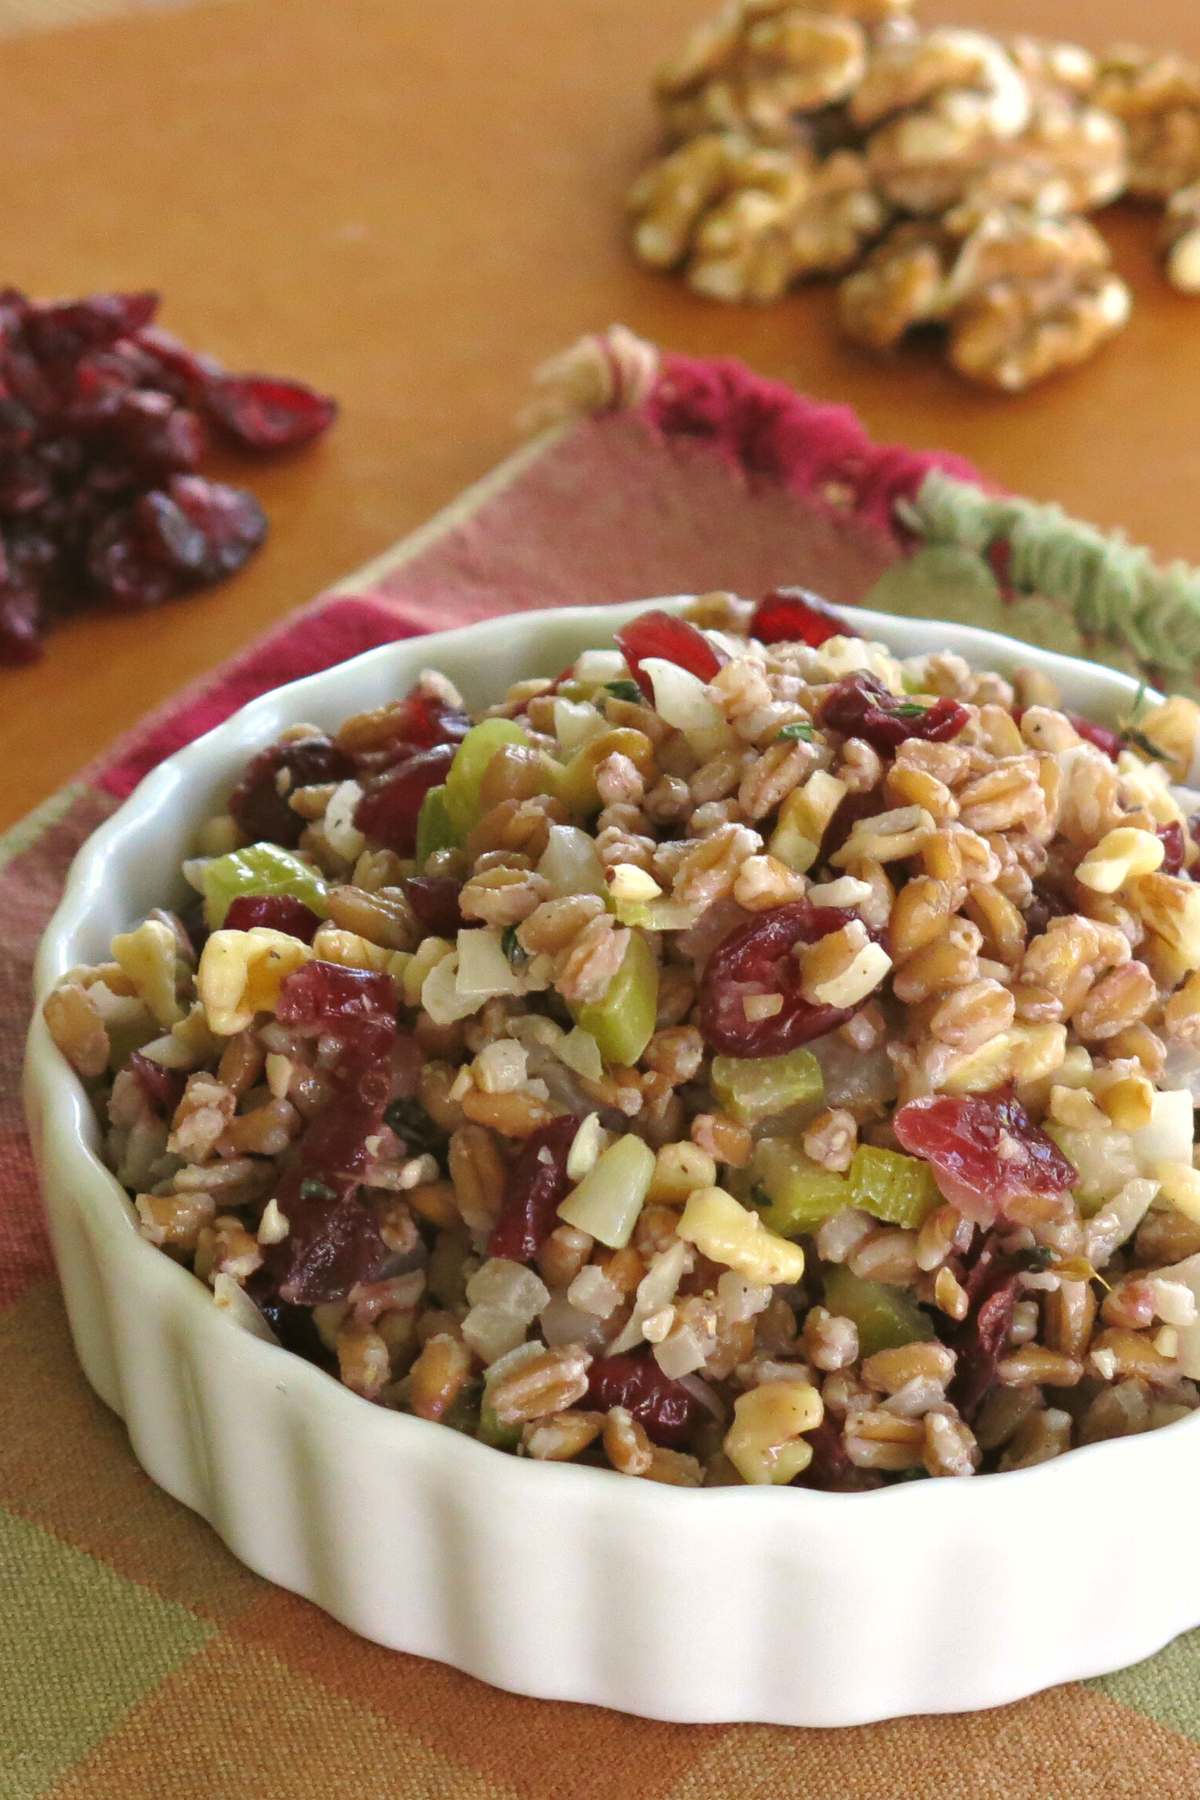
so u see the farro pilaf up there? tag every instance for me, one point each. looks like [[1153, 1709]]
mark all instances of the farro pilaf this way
[[747, 1058]]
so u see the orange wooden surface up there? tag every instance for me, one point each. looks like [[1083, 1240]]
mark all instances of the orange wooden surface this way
[[412, 203]]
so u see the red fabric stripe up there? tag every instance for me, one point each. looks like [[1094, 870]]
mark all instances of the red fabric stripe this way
[[766, 428]]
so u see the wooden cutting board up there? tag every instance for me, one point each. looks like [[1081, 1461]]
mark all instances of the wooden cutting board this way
[[411, 204]]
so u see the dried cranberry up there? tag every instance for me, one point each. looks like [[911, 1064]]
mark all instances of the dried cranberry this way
[[294, 1326], [434, 900], [417, 722], [257, 803], [860, 706], [20, 624], [794, 616], [25, 485], [664, 635], [187, 373], [983, 1149], [533, 1191], [356, 1005], [131, 572], [278, 912], [333, 1239], [232, 522], [420, 720], [63, 330], [160, 436], [17, 427], [162, 1087], [168, 536], [757, 959], [664, 1408], [262, 412], [1103, 736], [391, 803], [992, 1286], [831, 1470], [1174, 847]]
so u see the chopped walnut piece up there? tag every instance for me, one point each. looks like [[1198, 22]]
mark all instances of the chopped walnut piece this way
[[746, 222], [934, 108], [1022, 296], [1158, 99], [1070, 158]]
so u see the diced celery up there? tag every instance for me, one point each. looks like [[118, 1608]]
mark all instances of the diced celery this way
[[898, 1189], [654, 915], [801, 1192], [577, 782], [434, 830], [259, 869], [492, 1431], [885, 1316], [609, 1198], [623, 1022], [465, 774], [757, 1087], [571, 863]]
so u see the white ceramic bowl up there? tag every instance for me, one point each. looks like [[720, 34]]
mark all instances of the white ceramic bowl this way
[[571, 1583]]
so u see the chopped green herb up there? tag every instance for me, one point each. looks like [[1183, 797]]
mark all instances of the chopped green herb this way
[[1139, 701], [1039, 1256], [510, 943], [908, 709], [311, 1188], [801, 729], [624, 690], [759, 1196]]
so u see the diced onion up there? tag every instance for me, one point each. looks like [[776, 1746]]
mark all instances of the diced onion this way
[[440, 995], [1186, 1273], [680, 698], [656, 1290], [571, 864], [598, 666], [339, 824], [586, 1147], [576, 723], [580, 1051], [608, 1200], [680, 1354], [483, 969]]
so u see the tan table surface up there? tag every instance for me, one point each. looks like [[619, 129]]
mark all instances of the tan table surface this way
[[412, 204]]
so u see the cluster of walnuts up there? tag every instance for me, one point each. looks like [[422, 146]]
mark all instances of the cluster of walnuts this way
[[943, 174]]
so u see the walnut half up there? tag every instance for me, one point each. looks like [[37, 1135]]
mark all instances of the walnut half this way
[[760, 66], [1021, 296], [1158, 99], [744, 223], [934, 109]]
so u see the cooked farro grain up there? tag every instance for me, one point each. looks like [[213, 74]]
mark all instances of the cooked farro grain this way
[[751, 1082]]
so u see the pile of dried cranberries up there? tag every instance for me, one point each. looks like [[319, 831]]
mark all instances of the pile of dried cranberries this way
[[104, 420]]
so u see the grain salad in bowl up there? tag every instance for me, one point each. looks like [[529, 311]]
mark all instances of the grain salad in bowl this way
[[749, 1057]]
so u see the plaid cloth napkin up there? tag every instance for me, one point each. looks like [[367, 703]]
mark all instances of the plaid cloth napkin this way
[[137, 1658]]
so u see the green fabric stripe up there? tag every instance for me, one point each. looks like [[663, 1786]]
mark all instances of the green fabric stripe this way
[[1113, 592], [26, 832], [87, 1645], [1166, 1687]]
